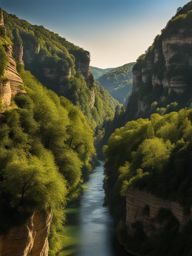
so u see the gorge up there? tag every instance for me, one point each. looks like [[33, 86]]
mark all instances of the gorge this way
[[56, 124]]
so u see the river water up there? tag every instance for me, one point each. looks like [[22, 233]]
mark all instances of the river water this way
[[93, 225]]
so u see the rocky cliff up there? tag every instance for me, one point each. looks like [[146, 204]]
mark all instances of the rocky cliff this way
[[10, 82], [163, 74], [28, 239], [145, 208]]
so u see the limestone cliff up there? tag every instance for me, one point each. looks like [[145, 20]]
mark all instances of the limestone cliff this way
[[28, 239], [163, 74], [10, 83]]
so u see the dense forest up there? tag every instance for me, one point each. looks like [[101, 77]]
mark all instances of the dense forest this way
[[119, 82], [98, 72], [155, 157], [57, 118], [42, 153], [46, 148]]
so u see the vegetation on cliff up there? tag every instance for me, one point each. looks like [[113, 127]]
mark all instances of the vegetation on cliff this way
[[162, 76], [153, 155], [42, 156], [60, 66]]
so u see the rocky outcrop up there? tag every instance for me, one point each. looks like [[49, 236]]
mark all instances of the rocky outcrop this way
[[163, 73], [18, 52], [11, 84], [28, 239], [11, 73], [144, 207]]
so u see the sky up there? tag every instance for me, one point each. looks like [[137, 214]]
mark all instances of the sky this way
[[114, 31]]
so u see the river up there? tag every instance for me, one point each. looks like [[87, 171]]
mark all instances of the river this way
[[90, 229]]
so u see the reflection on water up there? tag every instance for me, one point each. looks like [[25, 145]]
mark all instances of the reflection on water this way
[[92, 224]]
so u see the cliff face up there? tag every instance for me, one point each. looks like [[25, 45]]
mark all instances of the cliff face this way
[[145, 208], [11, 84], [28, 239], [163, 74]]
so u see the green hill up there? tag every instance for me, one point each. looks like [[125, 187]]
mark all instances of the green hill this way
[[60, 66], [98, 72], [119, 82]]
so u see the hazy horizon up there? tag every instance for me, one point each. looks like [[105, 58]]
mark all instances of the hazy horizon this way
[[114, 32]]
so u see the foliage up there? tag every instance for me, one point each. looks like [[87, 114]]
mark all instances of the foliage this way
[[98, 72], [152, 155], [60, 66], [45, 146], [118, 81]]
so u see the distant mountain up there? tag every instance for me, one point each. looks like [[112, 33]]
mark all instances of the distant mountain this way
[[98, 72], [118, 81]]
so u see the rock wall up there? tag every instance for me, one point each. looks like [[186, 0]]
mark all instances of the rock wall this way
[[28, 239], [11, 84], [11, 72], [144, 207], [164, 72], [18, 52]]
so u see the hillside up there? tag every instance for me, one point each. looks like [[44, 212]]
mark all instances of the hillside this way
[[43, 157], [119, 82], [60, 66], [98, 72], [148, 160]]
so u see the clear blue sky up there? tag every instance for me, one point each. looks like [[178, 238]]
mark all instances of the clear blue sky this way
[[114, 31]]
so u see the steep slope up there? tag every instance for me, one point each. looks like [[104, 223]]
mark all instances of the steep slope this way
[[61, 66], [118, 82], [46, 148], [10, 81], [148, 161], [162, 76]]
